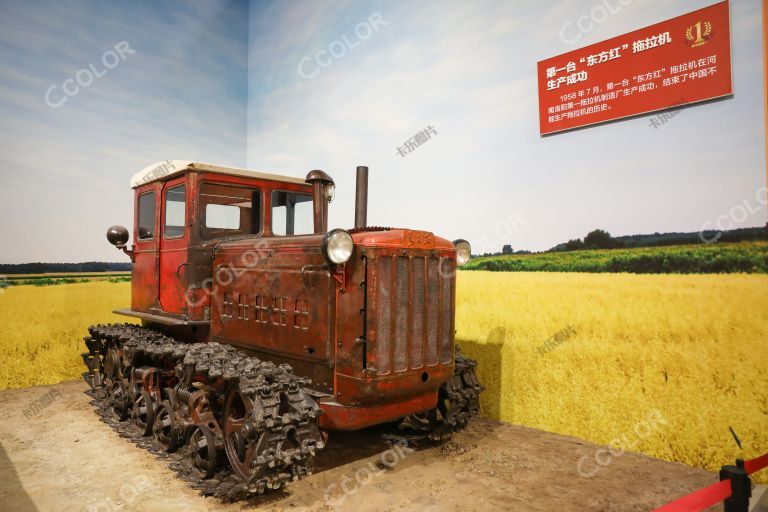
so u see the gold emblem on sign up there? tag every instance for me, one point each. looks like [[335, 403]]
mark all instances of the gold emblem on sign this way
[[699, 34]]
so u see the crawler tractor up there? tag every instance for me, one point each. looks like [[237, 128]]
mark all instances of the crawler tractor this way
[[262, 331]]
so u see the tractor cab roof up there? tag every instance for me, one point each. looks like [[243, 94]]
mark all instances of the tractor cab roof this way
[[170, 168]]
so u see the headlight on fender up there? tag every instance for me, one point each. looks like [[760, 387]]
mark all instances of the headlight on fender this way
[[463, 252], [337, 246]]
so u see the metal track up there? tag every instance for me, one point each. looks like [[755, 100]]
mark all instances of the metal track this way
[[458, 401], [229, 424], [251, 425]]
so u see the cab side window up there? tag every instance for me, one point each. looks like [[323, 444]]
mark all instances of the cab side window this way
[[292, 213], [228, 210], [146, 216]]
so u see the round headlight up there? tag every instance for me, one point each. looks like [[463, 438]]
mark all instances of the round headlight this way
[[338, 246], [463, 252]]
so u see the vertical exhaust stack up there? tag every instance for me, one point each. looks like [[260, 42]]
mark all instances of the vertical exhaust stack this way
[[361, 197]]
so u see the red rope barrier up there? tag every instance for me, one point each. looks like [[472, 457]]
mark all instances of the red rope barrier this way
[[701, 499], [715, 493], [756, 464]]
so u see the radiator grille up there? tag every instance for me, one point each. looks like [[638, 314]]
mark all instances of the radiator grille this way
[[416, 350], [402, 316], [384, 320], [446, 320], [433, 286], [413, 304]]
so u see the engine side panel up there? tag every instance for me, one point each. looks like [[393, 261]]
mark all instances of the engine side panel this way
[[279, 303]]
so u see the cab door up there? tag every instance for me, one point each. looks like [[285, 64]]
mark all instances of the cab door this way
[[146, 236], [174, 244]]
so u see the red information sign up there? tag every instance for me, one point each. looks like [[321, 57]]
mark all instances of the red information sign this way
[[679, 61]]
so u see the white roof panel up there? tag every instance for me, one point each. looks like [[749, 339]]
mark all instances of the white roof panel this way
[[169, 168]]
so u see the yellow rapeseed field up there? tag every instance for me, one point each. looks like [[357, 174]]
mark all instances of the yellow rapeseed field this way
[[42, 329], [596, 355], [589, 355]]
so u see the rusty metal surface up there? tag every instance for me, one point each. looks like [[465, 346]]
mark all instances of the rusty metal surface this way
[[366, 365], [411, 302], [173, 255], [289, 305], [144, 276], [353, 417], [376, 334], [160, 319], [279, 303]]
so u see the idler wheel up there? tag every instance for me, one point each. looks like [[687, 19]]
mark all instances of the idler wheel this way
[[119, 400], [112, 366], [168, 437], [143, 412], [202, 450]]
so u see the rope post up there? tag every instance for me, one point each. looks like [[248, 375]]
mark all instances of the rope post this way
[[741, 487]]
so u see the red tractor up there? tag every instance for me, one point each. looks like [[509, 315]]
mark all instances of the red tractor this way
[[261, 330]]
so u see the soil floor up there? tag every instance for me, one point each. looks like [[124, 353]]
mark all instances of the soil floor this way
[[59, 456]]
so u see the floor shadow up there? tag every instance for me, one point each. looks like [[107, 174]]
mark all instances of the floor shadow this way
[[489, 368], [346, 447], [342, 448], [13, 497]]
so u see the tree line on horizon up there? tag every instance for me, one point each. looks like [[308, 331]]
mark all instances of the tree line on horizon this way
[[602, 239], [49, 268]]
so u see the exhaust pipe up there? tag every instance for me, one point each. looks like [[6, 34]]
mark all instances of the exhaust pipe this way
[[361, 197]]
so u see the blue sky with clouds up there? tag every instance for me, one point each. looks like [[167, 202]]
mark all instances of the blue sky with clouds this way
[[220, 81], [469, 70]]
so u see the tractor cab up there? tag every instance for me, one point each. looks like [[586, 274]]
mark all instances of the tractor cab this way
[[183, 210]]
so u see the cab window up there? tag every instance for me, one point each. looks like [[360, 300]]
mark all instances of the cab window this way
[[292, 213], [175, 211], [146, 216], [228, 210]]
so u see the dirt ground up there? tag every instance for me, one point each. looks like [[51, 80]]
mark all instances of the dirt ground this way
[[60, 456]]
